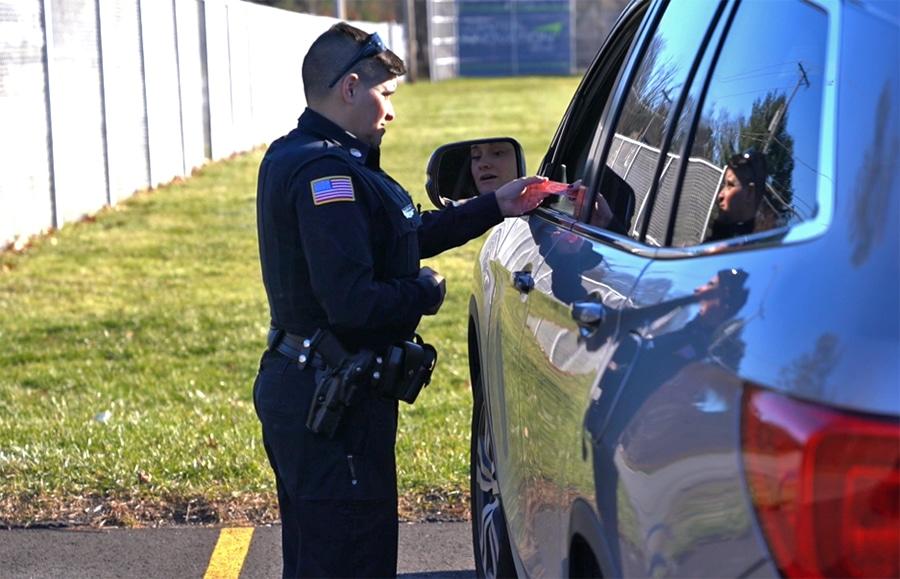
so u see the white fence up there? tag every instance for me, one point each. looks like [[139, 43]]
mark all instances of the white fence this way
[[101, 98]]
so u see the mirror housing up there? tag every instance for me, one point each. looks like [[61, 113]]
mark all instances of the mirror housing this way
[[450, 174]]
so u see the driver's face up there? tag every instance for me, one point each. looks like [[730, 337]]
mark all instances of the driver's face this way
[[493, 165]]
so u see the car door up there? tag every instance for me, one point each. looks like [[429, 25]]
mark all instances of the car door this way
[[510, 269], [572, 352], [668, 452], [537, 526]]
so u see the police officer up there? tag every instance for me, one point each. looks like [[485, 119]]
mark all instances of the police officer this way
[[340, 243]]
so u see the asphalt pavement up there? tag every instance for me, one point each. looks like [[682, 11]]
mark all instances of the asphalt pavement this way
[[427, 551]]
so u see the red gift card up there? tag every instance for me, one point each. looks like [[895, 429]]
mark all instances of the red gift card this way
[[547, 187]]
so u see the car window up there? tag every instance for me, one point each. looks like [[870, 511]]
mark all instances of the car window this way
[[577, 136], [645, 119], [753, 162]]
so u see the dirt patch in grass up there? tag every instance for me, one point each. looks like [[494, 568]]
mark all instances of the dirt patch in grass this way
[[250, 509], [435, 505]]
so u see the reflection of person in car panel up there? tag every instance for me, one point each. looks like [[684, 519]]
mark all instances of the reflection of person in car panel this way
[[743, 187], [662, 356]]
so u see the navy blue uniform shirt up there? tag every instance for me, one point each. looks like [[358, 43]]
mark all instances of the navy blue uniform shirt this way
[[340, 241]]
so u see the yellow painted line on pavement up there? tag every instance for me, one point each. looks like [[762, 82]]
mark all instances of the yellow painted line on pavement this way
[[228, 556]]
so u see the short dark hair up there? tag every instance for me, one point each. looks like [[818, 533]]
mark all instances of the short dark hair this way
[[336, 47]]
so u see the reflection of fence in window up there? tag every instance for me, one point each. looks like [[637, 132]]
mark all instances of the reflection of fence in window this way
[[636, 162], [639, 175], [662, 207], [702, 182]]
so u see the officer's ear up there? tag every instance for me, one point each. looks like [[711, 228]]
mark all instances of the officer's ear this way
[[350, 85]]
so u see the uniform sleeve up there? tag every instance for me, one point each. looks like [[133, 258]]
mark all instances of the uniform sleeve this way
[[453, 226], [333, 216]]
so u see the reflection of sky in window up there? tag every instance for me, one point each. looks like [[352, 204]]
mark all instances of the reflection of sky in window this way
[[679, 43], [681, 40], [760, 56]]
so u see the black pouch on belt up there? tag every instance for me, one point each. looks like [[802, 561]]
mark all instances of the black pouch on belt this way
[[407, 369]]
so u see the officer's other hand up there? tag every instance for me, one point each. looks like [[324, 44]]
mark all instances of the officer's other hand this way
[[515, 198], [438, 281]]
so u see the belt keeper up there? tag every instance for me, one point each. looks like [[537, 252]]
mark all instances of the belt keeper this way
[[305, 353]]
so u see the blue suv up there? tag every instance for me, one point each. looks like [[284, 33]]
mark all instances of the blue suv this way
[[690, 366]]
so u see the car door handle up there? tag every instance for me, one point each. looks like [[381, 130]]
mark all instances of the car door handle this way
[[589, 315], [523, 281]]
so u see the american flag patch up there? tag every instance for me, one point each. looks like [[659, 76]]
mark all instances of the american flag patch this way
[[332, 189]]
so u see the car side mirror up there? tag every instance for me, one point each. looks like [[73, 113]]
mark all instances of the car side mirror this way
[[466, 169]]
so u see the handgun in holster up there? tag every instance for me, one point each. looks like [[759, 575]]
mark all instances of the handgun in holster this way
[[338, 383]]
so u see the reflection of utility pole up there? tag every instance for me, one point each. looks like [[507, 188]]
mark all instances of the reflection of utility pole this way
[[779, 114], [654, 115]]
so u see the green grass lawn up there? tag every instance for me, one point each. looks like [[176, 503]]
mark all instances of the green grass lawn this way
[[130, 341]]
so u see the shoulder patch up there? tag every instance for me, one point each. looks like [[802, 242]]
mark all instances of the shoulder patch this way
[[332, 189]]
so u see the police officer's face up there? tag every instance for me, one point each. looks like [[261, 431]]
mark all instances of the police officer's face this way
[[372, 111]]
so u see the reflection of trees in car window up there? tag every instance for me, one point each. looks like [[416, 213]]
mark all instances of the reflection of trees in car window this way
[[765, 96], [765, 130], [650, 99], [646, 115]]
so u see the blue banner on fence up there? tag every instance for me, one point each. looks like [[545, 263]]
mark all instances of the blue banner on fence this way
[[512, 37]]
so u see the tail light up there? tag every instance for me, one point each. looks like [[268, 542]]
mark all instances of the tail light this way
[[825, 484]]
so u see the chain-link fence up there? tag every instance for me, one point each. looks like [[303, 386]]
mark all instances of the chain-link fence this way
[[100, 98]]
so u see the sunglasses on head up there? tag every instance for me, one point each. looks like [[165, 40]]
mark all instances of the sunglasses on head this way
[[745, 158], [372, 47], [751, 159]]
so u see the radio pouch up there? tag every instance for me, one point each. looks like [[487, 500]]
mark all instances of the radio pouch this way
[[408, 369]]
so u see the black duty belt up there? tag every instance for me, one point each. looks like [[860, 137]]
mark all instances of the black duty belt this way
[[319, 349]]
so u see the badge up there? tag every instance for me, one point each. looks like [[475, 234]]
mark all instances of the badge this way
[[356, 153], [332, 189], [409, 211]]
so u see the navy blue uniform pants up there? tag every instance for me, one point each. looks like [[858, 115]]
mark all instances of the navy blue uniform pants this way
[[337, 497]]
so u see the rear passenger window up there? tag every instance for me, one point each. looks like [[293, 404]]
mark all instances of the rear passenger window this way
[[753, 164], [645, 119]]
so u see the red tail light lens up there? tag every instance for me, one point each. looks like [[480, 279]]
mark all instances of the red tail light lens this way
[[826, 486]]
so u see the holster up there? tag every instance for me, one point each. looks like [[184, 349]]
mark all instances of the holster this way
[[400, 374], [338, 383]]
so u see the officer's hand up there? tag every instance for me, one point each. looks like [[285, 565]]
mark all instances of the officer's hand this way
[[438, 281], [515, 198]]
